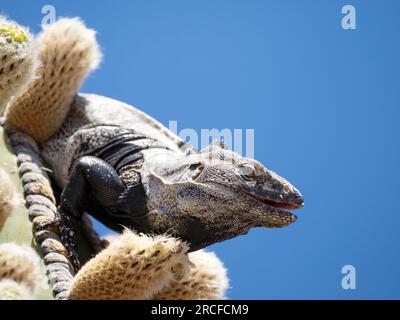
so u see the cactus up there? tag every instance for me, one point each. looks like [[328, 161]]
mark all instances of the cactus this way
[[20, 264], [131, 267]]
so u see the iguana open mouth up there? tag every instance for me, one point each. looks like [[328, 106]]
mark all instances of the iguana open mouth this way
[[276, 212], [287, 205]]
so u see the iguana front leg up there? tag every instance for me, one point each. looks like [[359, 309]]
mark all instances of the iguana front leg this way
[[89, 176]]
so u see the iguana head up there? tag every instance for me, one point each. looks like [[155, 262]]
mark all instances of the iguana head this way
[[216, 194]]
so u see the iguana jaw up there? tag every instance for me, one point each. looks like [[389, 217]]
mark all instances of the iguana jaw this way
[[275, 211], [264, 210]]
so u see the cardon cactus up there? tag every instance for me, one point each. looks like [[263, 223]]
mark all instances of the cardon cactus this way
[[22, 273], [36, 72]]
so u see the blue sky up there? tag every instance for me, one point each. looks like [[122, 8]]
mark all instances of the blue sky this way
[[324, 104]]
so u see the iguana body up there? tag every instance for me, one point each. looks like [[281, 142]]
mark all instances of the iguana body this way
[[95, 120], [123, 167]]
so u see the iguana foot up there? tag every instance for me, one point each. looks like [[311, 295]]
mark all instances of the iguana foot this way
[[89, 175], [68, 230]]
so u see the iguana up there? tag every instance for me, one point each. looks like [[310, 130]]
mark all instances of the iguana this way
[[125, 168]]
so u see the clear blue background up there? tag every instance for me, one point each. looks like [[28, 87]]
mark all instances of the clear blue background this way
[[324, 103]]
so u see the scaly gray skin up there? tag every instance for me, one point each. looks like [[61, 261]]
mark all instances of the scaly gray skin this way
[[126, 169]]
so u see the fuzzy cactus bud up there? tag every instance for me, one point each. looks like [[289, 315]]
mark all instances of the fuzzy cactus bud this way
[[12, 290], [206, 280], [17, 60], [20, 264], [8, 197], [131, 267]]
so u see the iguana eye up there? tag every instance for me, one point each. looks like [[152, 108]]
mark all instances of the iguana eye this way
[[247, 171]]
